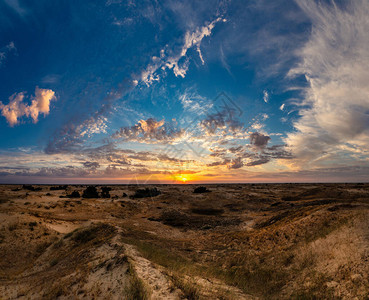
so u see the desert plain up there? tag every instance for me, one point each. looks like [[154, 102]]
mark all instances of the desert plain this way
[[227, 241]]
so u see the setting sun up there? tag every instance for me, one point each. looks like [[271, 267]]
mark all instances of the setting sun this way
[[183, 178]]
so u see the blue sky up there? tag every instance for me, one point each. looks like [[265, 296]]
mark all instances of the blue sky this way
[[172, 91]]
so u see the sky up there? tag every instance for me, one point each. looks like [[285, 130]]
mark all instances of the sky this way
[[184, 91]]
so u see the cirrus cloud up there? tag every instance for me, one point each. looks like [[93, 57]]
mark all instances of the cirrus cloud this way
[[334, 115], [179, 63]]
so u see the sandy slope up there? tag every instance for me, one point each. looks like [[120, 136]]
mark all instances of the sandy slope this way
[[235, 242]]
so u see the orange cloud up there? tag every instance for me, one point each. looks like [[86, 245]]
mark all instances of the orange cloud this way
[[16, 109]]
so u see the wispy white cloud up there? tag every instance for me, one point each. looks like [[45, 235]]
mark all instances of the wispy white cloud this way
[[17, 7], [265, 96], [71, 136], [195, 103], [335, 62], [179, 63], [51, 79], [224, 61], [4, 51], [16, 108]]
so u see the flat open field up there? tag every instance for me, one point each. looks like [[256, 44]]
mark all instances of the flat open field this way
[[230, 241]]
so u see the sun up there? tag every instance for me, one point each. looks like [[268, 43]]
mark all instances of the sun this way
[[182, 178]]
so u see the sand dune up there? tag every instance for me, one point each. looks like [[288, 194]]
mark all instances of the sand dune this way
[[259, 241]]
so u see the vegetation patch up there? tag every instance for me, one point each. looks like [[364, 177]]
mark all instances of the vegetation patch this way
[[208, 211], [176, 218], [105, 192], [96, 233], [31, 188], [145, 193], [136, 289], [188, 287], [201, 189], [74, 194], [90, 192], [59, 187], [3, 200]]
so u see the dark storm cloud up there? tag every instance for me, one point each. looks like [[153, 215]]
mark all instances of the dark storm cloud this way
[[91, 165], [165, 157], [224, 119], [278, 152], [259, 140], [235, 149], [218, 152], [119, 161], [236, 163], [240, 156], [260, 161], [219, 163]]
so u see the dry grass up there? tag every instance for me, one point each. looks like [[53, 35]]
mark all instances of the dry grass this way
[[161, 255], [136, 289], [187, 286], [240, 236]]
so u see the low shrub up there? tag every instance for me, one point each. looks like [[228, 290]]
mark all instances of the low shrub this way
[[31, 188], [208, 211], [90, 192], [75, 194], [97, 232], [201, 189], [147, 192], [105, 192], [60, 187]]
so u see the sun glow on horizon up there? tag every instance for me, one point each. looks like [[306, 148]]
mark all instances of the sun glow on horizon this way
[[182, 178]]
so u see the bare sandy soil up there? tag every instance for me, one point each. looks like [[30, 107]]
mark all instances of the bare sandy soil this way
[[259, 241]]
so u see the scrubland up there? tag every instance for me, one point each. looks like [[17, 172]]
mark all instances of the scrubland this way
[[228, 241]]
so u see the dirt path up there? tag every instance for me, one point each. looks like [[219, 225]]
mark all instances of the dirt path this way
[[161, 287]]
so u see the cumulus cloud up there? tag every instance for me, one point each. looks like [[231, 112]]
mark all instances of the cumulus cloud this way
[[147, 131], [258, 153], [224, 120], [259, 140], [261, 161], [236, 163], [48, 173], [219, 163], [250, 157], [94, 126], [178, 62], [91, 164], [16, 108], [335, 62], [277, 152]]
